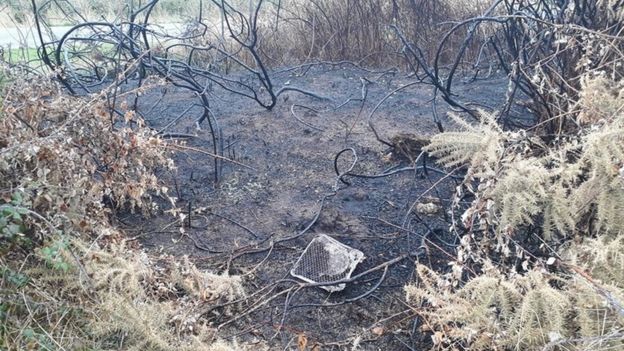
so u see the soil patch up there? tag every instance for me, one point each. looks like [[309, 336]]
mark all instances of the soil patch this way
[[234, 221]]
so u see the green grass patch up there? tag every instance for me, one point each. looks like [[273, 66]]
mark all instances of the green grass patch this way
[[15, 55]]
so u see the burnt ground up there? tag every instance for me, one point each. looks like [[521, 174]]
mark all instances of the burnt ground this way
[[292, 172]]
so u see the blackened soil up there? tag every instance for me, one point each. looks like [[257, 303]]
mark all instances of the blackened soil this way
[[291, 171]]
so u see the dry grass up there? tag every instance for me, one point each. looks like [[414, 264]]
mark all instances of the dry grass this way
[[357, 31]]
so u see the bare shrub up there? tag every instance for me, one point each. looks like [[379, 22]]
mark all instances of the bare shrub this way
[[557, 45], [357, 31]]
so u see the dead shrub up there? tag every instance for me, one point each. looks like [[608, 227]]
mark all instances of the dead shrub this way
[[358, 31], [69, 279]]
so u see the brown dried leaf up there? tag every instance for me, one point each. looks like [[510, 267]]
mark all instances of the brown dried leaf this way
[[379, 331], [302, 342]]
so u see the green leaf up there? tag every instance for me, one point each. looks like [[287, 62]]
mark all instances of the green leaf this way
[[62, 266], [17, 198], [47, 252], [17, 216], [15, 278], [14, 229], [28, 333], [5, 233], [4, 308]]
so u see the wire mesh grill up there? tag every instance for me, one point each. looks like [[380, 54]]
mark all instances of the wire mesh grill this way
[[326, 260]]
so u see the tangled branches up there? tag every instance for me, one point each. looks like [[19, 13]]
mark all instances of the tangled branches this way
[[544, 47], [93, 54]]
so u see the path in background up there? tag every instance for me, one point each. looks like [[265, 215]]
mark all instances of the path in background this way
[[27, 37]]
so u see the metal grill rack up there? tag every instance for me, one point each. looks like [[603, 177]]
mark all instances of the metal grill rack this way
[[326, 260]]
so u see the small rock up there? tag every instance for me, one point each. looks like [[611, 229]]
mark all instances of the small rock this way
[[427, 209]]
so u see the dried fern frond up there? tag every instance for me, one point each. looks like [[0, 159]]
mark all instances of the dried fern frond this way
[[144, 324], [206, 285], [543, 311], [483, 307], [603, 157], [561, 187], [600, 99], [560, 212], [520, 192], [478, 146], [602, 258], [500, 312], [120, 271], [498, 294]]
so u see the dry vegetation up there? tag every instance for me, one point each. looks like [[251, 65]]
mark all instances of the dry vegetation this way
[[563, 193], [70, 279], [358, 31], [540, 263]]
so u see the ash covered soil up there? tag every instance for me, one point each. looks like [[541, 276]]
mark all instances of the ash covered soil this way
[[236, 223]]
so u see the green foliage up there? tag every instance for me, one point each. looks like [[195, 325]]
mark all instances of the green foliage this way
[[13, 225], [3, 81], [53, 254], [37, 339], [20, 55], [16, 279]]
